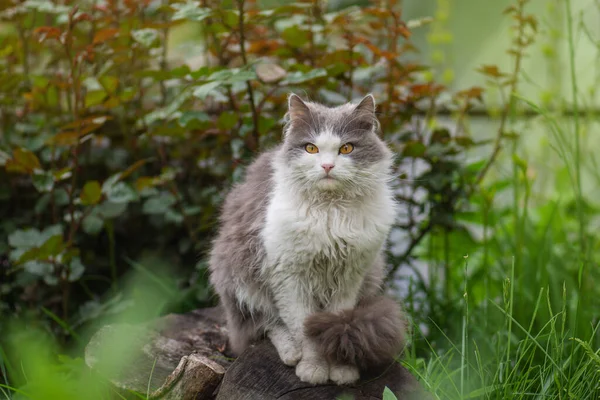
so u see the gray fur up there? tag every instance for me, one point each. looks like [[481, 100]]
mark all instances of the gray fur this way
[[370, 335], [355, 124], [238, 252]]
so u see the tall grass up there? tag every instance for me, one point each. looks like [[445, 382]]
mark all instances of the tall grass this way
[[530, 314]]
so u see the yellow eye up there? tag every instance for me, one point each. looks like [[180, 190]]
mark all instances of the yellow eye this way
[[311, 148], [347, 148]]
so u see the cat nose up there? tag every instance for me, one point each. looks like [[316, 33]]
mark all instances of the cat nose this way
[[327, 167]]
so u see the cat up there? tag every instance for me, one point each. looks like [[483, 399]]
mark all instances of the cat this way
[[299, 253]]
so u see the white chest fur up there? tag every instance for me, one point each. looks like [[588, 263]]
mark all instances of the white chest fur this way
[[328, 247]]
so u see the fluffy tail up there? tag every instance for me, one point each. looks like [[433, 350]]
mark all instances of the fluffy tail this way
[[369, 335]]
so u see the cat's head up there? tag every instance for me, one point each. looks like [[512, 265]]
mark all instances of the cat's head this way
[[335, 149]]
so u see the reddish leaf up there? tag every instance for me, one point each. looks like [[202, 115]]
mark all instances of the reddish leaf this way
[[475, 92], [491, 70], [104, 35], [47, 32], [93, 120], [426, 90], [403, 30], [83, 17]]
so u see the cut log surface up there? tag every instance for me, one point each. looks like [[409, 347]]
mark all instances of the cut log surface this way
[[179, 357]]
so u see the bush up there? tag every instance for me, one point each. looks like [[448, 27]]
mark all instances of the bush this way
[[112, 151]]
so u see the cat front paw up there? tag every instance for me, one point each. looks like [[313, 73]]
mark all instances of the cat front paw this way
[[290, 354], [344, 374], [313, 371]]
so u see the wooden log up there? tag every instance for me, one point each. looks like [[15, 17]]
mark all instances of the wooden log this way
[[181, 357], [259, 374], [175, 357]]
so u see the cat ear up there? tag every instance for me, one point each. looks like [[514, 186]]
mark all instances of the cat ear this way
[[364, 114], [366, 105], [298, 116], [297, 109]]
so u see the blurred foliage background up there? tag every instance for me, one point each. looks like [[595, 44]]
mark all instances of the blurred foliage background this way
[[124, 123]]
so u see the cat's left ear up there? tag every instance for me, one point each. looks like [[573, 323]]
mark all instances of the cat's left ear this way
[[367, 104], [364, 113]]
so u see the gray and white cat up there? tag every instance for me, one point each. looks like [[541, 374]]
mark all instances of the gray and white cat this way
[[299, 257]]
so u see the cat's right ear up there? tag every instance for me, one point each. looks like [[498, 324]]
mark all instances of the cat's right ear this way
[[297, 109]]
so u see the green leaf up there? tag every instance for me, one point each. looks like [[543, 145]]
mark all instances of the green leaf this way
[[4, 157], [203, 91], [441, 135], [52, 247], [227, 120], [173, 216], [476, 166], [295, 36], [92, 224], [414, 149], [24, 239], [110, 182], [122, 193], [235, 75], [192, 119], [159, 204], [43, 181], [61, 197], [76, 269], [38, 268], [91, 193], [146, 37], [23, 161], [109, 83], [230, 17], [108, 209], [388, 394], [46, 6], [94, 97], [519, 162], [190, 11], [301, 77]]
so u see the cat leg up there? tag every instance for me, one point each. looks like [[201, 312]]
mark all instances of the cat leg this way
[[312, 368], [242, 327], [294, 305], [289, 350]]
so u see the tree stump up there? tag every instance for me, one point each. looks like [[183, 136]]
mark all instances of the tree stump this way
[[181, 357]]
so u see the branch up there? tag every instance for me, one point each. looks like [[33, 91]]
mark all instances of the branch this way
[[413, 243]]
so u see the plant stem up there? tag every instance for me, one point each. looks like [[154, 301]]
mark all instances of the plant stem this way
[[509, 105], [163, 59], [254, 143], [574, 92]]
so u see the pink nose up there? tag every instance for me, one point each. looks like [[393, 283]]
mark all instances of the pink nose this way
[[327, 167]]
